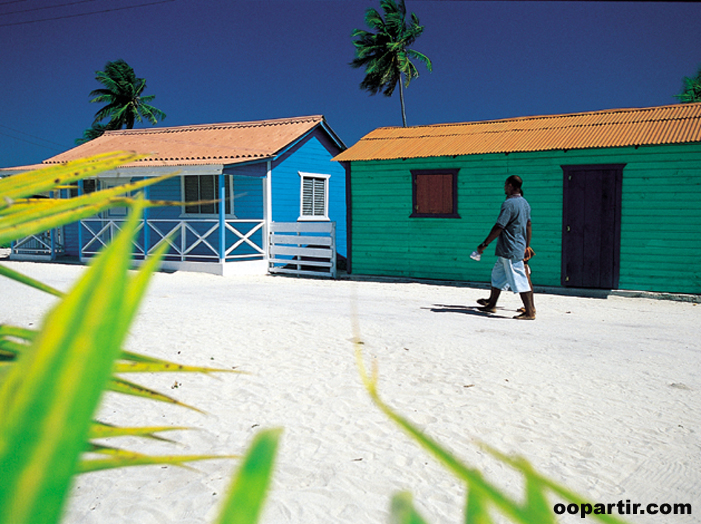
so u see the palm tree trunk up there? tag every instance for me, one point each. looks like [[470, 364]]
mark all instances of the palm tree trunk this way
[[401, 100]]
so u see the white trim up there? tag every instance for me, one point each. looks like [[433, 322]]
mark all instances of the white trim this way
[[267, 205], [148, 171], [314, 175], [247, 267], [269, 193], [21, 257], [314, 218], [318, 218]]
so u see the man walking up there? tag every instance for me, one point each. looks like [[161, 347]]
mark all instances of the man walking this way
[[513, 231]]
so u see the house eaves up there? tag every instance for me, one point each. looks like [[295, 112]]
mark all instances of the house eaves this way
[[674, 124], [206, 144]]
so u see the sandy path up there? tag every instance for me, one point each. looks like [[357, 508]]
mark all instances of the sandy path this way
[[602, 395]]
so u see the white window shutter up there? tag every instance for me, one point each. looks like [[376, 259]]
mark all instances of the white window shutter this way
[[308, 197], [314, 195]]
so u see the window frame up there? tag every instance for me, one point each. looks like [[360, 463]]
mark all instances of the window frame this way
[[415, 173], [102, 184], [74, 190], [313, 218], [229, 203]]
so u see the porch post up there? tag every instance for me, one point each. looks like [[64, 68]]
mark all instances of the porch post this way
[[147, 194], [267, 207], [54, 231], [80, 226], [53, 244], [222, 219]]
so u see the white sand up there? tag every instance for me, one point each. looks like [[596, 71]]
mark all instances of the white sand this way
[[601, 395]]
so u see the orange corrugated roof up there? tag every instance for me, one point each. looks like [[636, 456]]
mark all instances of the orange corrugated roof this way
[[228, 143], [680, 123]]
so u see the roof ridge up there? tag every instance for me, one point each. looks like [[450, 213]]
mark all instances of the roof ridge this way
[[218, 125], [669, 107], [670, 124], [224, 142], [517, 130]]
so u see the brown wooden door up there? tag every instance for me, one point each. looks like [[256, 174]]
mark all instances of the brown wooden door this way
[[591, 226]]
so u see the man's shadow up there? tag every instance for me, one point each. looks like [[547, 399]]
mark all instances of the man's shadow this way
[[465, 310]]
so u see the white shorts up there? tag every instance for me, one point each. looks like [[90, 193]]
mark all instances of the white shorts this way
[[508, 274]]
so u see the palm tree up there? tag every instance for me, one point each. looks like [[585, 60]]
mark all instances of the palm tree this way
[[123, 95], [92, 133], [385, 54], [692, 89]]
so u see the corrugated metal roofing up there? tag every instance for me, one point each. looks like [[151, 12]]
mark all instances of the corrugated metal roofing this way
[[680, 123], [227, 143]]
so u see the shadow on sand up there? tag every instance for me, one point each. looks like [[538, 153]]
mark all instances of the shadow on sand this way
[[465, 310]]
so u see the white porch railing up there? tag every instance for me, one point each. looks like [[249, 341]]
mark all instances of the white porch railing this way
[[189, 239], [97, 233], [303, 248], [45, 244]]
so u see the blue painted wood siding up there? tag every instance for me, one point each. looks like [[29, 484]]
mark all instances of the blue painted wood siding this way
[[248, 204], [312, 155]]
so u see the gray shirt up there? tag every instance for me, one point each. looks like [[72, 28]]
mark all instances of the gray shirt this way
[[513, 218]]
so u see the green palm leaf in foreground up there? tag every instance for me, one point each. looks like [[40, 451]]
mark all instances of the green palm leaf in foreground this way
[[25, 185], [403, 510], [49, 396], [51, 380], [482, 495], [246, 497]]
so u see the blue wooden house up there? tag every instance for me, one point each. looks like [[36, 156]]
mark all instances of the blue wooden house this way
[[272, 180]]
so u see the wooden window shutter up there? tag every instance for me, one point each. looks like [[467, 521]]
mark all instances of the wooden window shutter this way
[[205, 187], [89, 185], [208, 191], [228, 194], [192, 193], [434, 194]]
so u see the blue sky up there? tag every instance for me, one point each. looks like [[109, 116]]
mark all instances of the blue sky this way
[[235, 60]]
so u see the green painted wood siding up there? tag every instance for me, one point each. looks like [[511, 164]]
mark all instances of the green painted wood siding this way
[[660, 243]]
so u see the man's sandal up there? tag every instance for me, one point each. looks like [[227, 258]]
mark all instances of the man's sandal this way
[[523, 316], [487, 309]]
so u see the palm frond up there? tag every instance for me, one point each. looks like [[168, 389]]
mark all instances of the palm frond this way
[[403, 511], [122, 93], [126, 387], [244, 502], [51, 213], [29, 281], [78, 338], [691, 92], [25, 185], [122, 459], [51, 380], [100, 430], [385, 53], [482, 495], [421, 57]]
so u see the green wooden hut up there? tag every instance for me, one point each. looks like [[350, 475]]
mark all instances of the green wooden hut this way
[[614, 197]]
